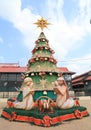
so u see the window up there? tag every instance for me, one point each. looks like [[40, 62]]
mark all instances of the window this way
[[67, 77], [12, 77], [3, 77], [19, 77]]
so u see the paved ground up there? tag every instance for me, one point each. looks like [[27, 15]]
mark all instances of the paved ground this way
[[82, 124]]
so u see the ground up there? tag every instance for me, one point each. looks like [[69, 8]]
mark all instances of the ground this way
[[81, 124]]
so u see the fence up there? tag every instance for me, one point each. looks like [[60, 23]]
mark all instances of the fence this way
[[8, 94]]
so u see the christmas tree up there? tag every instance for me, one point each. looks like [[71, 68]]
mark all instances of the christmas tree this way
[[39, 77], [42, 66]]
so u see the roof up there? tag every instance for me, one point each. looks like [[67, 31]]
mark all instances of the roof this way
[[77, 80], [80, 79], [14, 68], [80, 83], [81, 75], [11, 68], [65, 70], [88, 78]]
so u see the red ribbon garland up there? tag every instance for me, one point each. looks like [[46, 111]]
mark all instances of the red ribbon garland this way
[[47, 121], [13, 116], [78, 114]]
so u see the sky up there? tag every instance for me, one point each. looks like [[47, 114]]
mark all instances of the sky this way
[[69, 34]]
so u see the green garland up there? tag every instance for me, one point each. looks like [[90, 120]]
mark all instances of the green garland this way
[[36, 114]]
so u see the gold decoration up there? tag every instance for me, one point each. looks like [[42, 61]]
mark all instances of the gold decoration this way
[[42, 23], [43, 83], [38, 67]]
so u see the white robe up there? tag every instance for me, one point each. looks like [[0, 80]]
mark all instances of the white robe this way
[[27, 102], [62, 100]]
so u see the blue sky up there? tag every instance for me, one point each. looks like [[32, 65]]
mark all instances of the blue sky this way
[[69, 34]]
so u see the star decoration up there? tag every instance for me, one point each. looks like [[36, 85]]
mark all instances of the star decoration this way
[[42, 23], [43, 83]]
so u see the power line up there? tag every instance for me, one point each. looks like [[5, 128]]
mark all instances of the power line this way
[[75, 60]]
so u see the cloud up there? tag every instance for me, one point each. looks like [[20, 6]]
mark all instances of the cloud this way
[[1, 40], [63, 35], [81, 65], [71, 35], [67, 34], [9, 9], [21, 19]]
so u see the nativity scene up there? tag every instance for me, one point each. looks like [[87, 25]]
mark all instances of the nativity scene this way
[[44, 96]]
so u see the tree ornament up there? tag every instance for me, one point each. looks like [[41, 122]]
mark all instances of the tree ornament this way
[[54, 61], [50, 73], [38, 40], [45, 92], [32, 74], [33, 51], [32, 60], [46, 48], [43, 73], [54, 92], [47, 41], [42, 58], [58, 75], [43, 40], [37, 59], [40, 73], [46, 58], [51, 59], [41, 48]]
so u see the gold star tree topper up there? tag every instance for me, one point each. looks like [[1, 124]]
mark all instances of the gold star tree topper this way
[[42, 23]]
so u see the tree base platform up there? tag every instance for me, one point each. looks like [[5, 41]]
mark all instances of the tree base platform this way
[[45, 119]]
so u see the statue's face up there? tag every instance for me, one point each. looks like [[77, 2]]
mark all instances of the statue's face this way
[[28, 83], [60, 82]]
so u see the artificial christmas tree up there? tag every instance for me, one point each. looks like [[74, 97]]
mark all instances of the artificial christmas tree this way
[[45, 100], [42, 68]]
